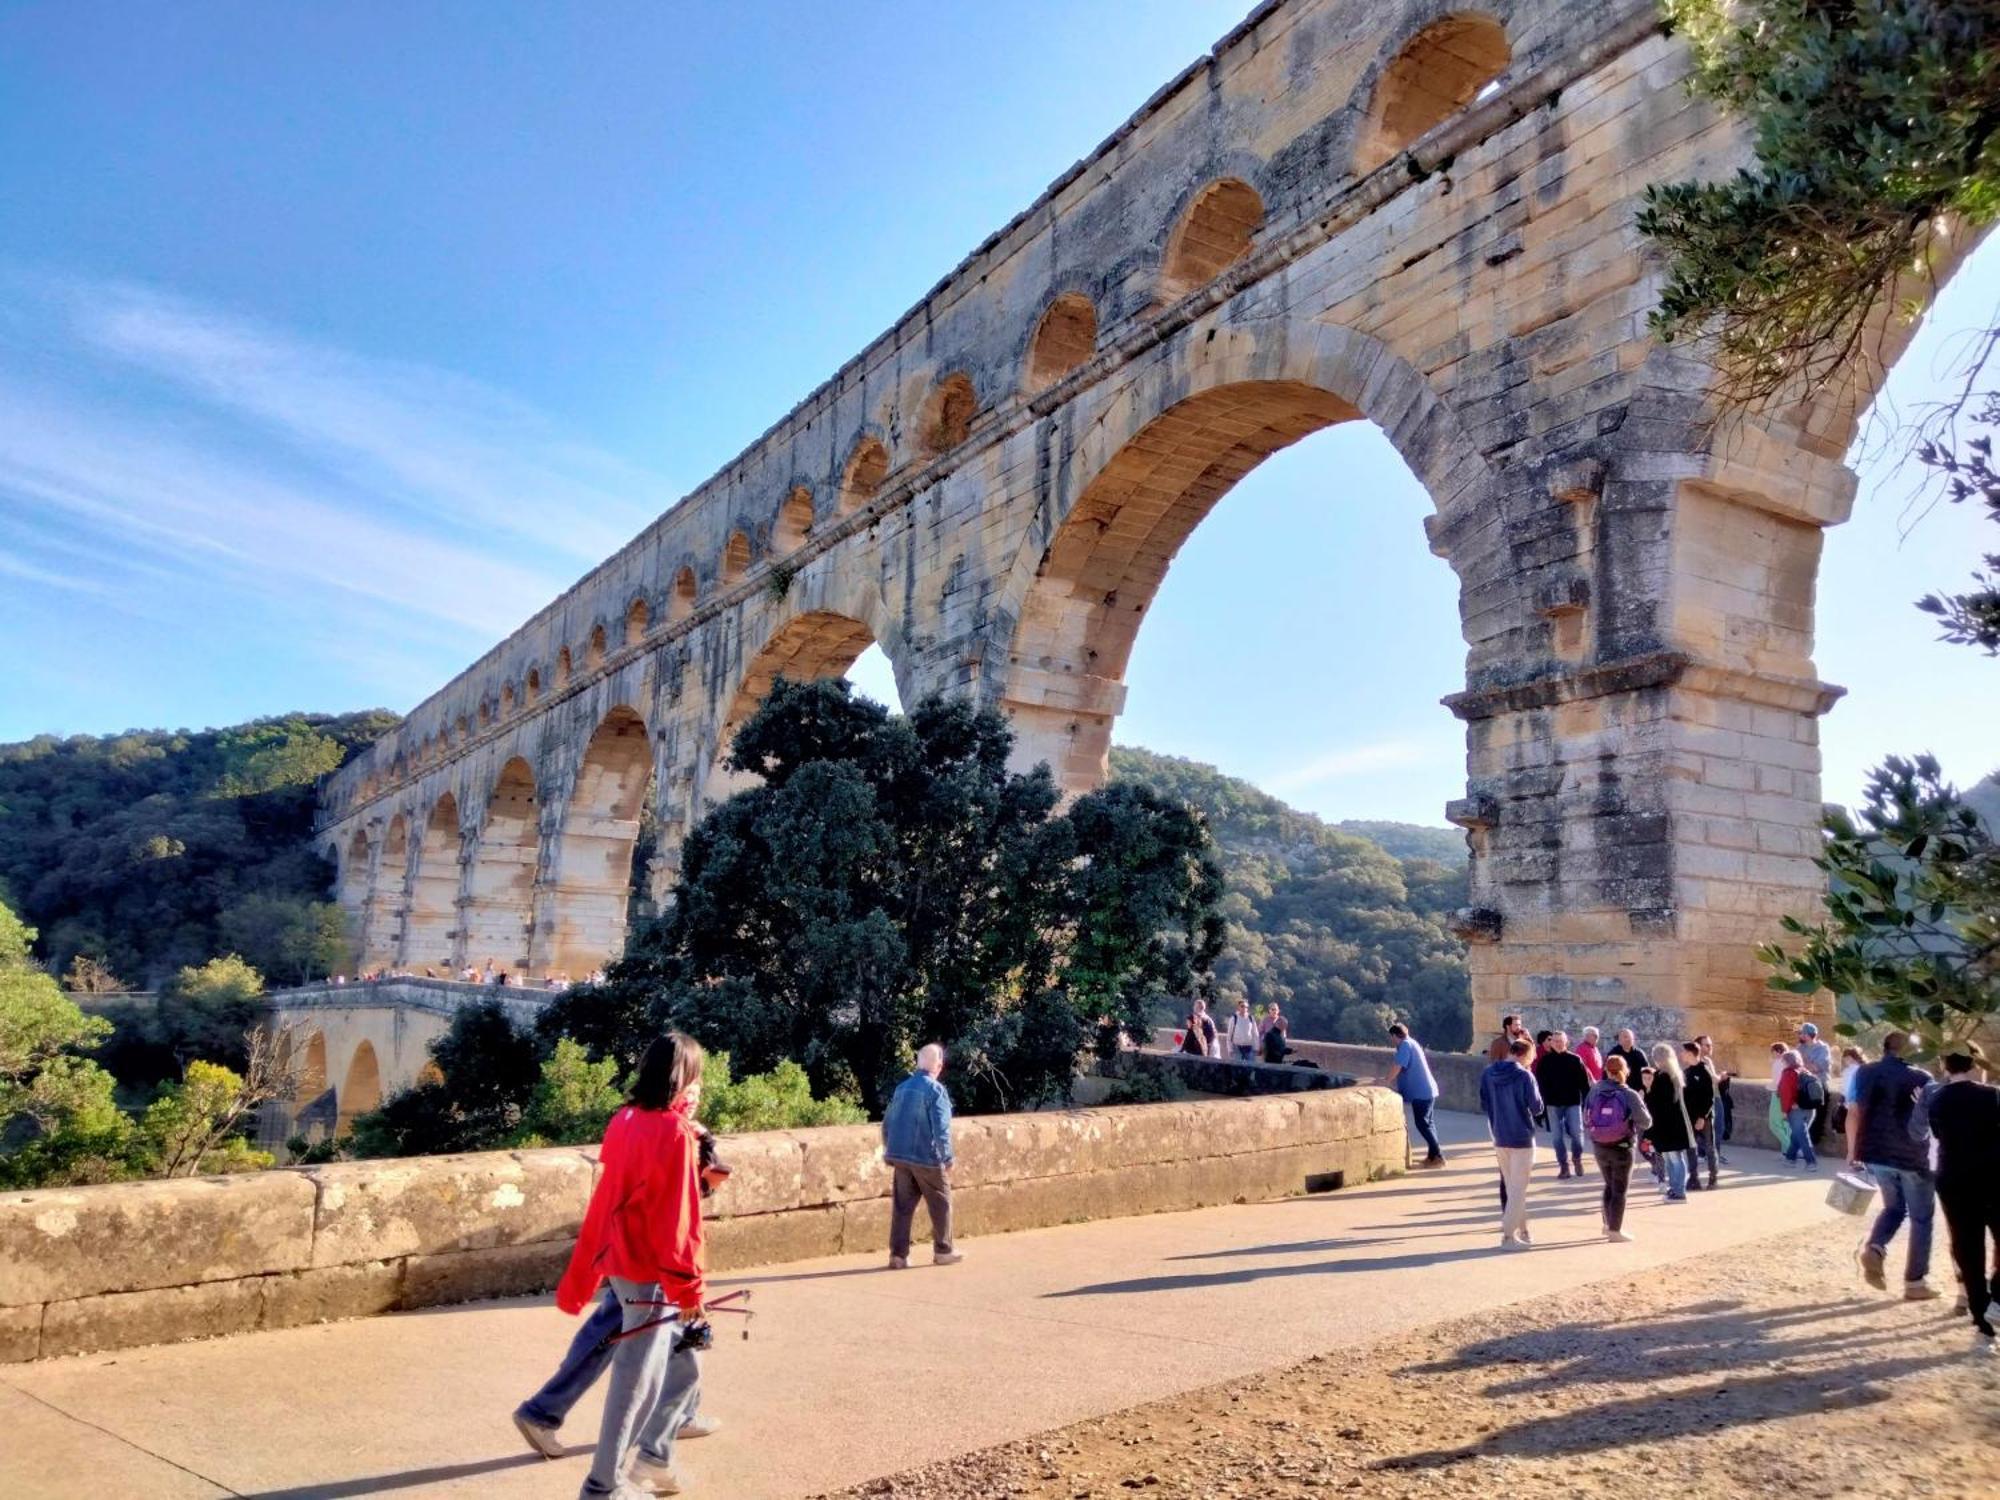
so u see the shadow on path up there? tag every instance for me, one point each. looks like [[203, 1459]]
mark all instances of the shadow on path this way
[[1192, 1280], [409, 1479]]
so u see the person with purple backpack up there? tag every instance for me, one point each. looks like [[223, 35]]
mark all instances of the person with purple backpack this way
[[1614, 1117]]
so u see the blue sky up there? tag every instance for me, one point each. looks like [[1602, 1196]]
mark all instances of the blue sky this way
[[335, 340]]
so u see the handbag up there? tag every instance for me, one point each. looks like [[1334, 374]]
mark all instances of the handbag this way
[[1851, 1192]]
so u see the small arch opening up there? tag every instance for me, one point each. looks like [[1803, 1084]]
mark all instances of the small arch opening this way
[[866, 468], [635, 622], [593, 655], [507, 699], [562, 667], [485, 712], [1064, 339], [735, 557], [1214, 233], [534, 684], [948, 413], [686, 591], [1443, 68], [795, 519]]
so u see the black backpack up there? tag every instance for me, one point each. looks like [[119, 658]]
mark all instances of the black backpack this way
[[1812, 1093]]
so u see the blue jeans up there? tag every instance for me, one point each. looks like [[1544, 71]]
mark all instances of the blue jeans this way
[[1800, 1123], [1420, 1110], [590, 1355], [637, 1409], [1566, 1123], [1911, 1195], [1677, 1173]]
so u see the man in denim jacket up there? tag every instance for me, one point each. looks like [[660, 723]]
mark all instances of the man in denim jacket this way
[[916, 1142]]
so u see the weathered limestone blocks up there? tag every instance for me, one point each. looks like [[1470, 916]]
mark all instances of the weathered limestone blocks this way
[[77, 1242], [132, 1263]]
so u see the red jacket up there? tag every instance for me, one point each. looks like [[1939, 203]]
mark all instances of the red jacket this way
[[1788, 1090], [644, 1220]]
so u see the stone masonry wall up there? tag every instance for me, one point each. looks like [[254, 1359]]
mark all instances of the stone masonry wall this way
[[93, 1268]]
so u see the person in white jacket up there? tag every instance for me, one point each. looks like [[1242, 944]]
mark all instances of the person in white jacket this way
[[1243, 1033]]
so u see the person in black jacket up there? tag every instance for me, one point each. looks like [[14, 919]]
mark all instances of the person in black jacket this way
[[1669, 1134], [1635, 1060], [1965, 1118], [1698, 1093], [1563, 1080]]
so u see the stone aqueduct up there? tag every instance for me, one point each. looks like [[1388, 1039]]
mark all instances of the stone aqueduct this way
[[1405, 213]]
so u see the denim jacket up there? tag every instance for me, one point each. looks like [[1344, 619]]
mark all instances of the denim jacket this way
[[916, 1128]]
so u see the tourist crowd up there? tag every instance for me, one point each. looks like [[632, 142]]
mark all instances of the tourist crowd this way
[[1917, 1142]]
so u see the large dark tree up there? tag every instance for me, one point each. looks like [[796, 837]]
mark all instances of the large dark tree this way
[[889, 882]]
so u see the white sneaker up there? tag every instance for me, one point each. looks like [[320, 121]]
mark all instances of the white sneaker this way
[[1619, 1237], [1522, 1236], [542, 1439], [653, 1478], [699, 1427], [946, 1258]]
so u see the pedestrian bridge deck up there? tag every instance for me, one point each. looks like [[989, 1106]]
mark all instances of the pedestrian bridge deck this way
[[853, 1372]]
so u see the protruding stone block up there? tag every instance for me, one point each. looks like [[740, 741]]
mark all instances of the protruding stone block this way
[[1476, 924]]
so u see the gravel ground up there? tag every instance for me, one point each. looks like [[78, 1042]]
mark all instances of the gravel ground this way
[[1766, 1370]]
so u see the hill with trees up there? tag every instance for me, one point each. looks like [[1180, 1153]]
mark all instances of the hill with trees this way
[[148, 851], [1340, 931]]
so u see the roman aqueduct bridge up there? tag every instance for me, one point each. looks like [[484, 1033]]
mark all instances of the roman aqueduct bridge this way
[[1402, 213]]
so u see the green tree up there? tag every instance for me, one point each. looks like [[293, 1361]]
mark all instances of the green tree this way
[[1911, 935], [889, 882], [294, 938], [195, 1126], [781, 1099], [573, 1099]]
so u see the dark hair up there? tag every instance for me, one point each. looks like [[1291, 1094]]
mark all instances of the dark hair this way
[[1519, 1047], [1397, 1028], [670, 1064], [1957, 1062], [1694, 1047], [1541, 1037], [1508, 1023]]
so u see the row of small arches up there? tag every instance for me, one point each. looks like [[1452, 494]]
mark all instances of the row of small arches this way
[[1445, 67]]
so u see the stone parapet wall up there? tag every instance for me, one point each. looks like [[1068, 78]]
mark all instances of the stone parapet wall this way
[[85, 1269]]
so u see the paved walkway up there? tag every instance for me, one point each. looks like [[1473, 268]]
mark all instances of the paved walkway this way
[[852, 1372]]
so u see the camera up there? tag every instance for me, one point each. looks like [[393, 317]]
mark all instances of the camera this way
[[697, 1335]]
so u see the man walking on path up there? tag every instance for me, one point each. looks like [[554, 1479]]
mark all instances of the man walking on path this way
[[1243, 1034], [1411, 1077], [916, 1142], [1510, 1101], [1965, 1118], [1816, 1058], [1879, 1137], [1510, 1027], [1563, 1081], [1700, 1097]]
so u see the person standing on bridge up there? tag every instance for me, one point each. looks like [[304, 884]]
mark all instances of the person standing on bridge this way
[[1243, 1036], [1965, 1118], [916, 1142], [1616, 1116], [1410, 1075], [1563, 1080], [1510, 1101], [1590, 1054], [642, 1237], [1881, 1137]]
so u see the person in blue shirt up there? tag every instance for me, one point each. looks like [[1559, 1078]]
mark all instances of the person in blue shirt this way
[[1510, 1101], [1411, 1077], [916, 1142]]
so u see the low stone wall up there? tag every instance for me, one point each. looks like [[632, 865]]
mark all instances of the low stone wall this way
[[93, 1268], [1209, 1075]]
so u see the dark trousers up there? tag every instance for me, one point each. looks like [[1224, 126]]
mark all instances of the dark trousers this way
[[1615, 1163], [1971, 1215], [1420, 1110], [931, 1185]]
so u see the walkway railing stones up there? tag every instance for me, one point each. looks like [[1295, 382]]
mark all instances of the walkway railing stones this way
[[110, 1267]]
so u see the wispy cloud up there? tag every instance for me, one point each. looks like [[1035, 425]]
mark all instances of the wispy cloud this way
[[1353, 760], [165, 457]]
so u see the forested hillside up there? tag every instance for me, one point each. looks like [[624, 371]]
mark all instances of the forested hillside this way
[[153, 849], [1341, 932]]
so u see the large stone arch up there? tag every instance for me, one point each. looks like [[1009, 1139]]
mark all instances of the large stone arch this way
[[498, 907], [388, 897], [354, 888], [584, 898], [430, 929], [360, 1086]]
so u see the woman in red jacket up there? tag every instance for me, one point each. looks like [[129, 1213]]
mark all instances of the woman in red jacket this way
[[642, 1234]]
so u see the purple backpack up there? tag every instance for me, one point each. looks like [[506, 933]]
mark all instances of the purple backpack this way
[[1608, 1117]]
